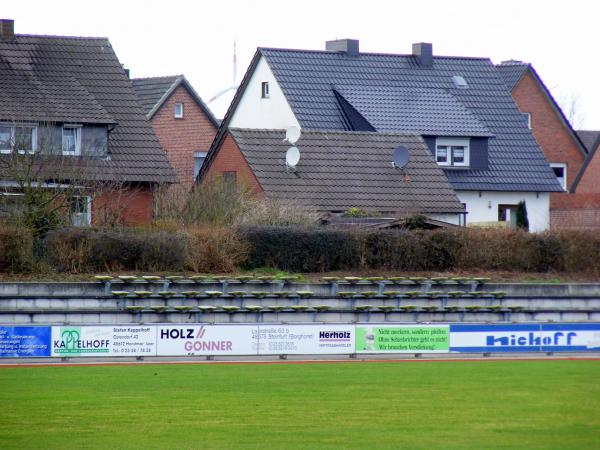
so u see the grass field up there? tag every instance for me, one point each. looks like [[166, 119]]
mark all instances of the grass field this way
[[483, 405]]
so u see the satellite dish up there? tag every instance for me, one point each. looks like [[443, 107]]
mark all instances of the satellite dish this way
[[292, 157], [292, 134], [401, 157]]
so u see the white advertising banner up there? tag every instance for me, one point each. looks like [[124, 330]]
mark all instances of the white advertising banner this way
[[114, 340], [305, 339], [191, 340]]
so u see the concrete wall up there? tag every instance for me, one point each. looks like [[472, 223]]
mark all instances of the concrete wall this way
[[264, 113], [484, 207]]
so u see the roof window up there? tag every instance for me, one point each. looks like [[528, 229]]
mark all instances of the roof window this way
[[460, 82]]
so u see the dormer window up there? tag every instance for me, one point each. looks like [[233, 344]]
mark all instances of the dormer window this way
[[452, 152], [71, 140], [20, 138], [264, 89], [178, 111]]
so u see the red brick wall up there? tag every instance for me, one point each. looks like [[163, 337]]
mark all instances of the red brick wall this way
[[132, 205], [182, 137], [229, 158], [580, 211], [590, 181], [554, 139]]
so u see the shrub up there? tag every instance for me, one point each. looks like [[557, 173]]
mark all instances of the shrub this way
[[16, 248], [100, 250], [299, 249], [214, 249]]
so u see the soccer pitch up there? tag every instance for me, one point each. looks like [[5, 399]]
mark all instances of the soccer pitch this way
[[481, 404]]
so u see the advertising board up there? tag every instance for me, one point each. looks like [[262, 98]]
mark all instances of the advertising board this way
[[114, 340], [551, 337], [24, 342], [305, 339], [386, 338], [192, 340]]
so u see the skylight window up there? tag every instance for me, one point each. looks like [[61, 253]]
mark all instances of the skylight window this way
[[460, 82]]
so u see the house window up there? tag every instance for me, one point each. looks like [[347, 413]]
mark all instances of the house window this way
[[229, 181], [527, 117], [80, 210], [22, 138], [199, 158], [452, 152], [508, 214], [178, 111], [71, 140], [264, 89], [560, 170]]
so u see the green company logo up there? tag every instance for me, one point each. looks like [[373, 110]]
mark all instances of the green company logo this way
[[71, 342]]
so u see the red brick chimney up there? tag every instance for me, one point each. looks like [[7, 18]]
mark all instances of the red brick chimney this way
[[7, 29]]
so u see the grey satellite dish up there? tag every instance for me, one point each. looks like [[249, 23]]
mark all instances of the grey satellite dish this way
[[401, 157], [292, 134], [292, 157]]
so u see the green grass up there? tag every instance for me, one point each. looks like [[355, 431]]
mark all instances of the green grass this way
[[483, 405]]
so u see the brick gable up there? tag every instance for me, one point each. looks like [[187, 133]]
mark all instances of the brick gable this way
[[180, 138]]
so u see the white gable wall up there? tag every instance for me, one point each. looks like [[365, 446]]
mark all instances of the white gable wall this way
[[253, 111], [484, 207]]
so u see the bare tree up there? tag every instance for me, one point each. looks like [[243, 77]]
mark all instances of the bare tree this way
[[571, 107]]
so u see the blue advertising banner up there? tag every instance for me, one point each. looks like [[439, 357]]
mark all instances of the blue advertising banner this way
[[24, 342], [551, 337]]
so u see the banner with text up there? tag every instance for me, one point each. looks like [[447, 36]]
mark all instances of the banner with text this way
[[386, 338], [24, 342], [551, 337], [305, 339], [192, 340], [115, 340]]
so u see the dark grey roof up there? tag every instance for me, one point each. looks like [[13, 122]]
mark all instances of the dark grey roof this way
[[80, 79], [150, 91], [590, 138], [309, 80], [511, 72], [153, 92], [341, 170]]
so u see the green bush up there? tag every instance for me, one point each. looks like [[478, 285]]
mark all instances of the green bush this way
[[16, 248]]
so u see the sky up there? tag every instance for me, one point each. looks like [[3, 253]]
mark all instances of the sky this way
[[195, 38]]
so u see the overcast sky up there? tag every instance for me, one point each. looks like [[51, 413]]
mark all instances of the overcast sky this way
[[165, 37]]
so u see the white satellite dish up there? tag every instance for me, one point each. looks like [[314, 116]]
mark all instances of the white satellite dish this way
[[292, 157], [292, 134]]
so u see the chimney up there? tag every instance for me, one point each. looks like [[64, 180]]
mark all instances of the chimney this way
[[346, 46], [7, 29], [424, 53]]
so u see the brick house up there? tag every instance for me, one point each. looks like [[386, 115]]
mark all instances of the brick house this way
[[183, 123], [569, 153], [459, 106], [68, 101]]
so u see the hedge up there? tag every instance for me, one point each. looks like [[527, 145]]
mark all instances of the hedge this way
[[224, 249]]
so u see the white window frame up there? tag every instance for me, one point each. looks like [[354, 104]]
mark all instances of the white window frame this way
[[87, 215], [264, 89], [563, 166], [197, 155], [13, 130], [449, 142], [527, 119], [178, 113], [77, 129]]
